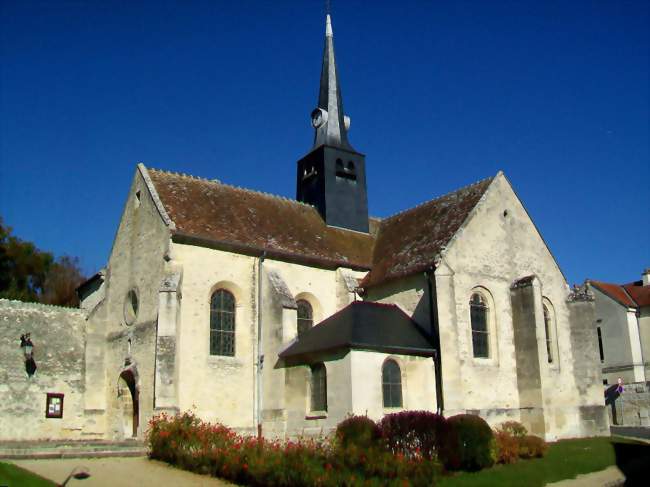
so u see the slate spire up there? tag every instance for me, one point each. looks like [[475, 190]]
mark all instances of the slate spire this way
[[328, 119], [332, 176]]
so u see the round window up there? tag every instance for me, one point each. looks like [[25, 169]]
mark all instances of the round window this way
[[130, 307]]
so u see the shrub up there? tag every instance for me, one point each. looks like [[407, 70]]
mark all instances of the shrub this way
[[194, 445], [412, 433], [360, 431], [532, 447], [514, 428], [467, 443], [507, 447]]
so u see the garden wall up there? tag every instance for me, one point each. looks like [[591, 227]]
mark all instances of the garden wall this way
[[58, 335], [633, 406]]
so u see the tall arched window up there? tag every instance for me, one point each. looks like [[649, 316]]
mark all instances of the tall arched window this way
[[391, 383], [305, 316], [222, 323], [548, 324], [480, 331], [318, 387]]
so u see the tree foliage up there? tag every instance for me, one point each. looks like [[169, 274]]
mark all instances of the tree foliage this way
[[33, 275]]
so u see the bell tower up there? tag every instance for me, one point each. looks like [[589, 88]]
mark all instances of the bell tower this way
[[332, 177]]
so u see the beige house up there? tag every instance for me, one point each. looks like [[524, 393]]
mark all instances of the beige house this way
[[284, 316], [623, 329]]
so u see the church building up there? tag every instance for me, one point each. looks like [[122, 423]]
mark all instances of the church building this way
[[282, 317]]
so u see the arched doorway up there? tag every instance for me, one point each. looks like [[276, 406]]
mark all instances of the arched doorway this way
[[127, 393]]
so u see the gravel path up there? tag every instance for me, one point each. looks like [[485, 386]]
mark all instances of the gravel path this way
[[105, 472]]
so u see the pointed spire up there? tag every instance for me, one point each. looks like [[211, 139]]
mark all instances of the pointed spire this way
[[328, 119]]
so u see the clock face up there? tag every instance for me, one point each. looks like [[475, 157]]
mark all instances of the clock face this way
[[318, 117]]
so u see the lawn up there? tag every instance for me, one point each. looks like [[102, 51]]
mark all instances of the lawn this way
[[565, 459], [13, 476]]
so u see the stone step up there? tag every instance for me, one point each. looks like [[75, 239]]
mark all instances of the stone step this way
[[42, 450]]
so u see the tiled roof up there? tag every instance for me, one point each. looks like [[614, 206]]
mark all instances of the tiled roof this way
[[361, 325], [209, 212], [632, 295], [639, 293], [408, 242]]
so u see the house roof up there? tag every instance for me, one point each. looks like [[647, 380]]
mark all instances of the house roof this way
[[208, 212], [632, 295], [638, 292], [362, 325], [409, 242]]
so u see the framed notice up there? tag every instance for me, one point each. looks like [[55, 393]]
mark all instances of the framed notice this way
[[54, 405]]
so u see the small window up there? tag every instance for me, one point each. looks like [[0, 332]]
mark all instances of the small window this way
[[136, 201], [54, 405], [391, 382], [318, 387], [131, 307], [222, 323], [479, 321], [305, 316], [548, 327], [600, 345]]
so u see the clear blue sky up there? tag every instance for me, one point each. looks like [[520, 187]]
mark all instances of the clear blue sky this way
[[441, 94]]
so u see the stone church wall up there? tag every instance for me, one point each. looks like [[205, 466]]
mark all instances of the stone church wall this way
[[217, 388], [498, 246], [137, 263], [59, 338]]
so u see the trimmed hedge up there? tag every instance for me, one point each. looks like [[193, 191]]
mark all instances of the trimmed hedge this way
[[201, 447], [514, 442], [413, 433], [513, 428], [507, 447], [467, 443], [360, 431], [532, 447]]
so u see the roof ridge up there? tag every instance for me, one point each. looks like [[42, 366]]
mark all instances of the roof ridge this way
[[241, 188], [424, 203]]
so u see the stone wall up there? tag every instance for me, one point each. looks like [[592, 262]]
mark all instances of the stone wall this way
[[59, 336], [632, 408]]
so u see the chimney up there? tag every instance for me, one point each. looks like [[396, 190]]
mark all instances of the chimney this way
[[646, 277]]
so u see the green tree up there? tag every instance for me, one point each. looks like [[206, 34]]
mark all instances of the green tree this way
[[29, 274], [61, 282]]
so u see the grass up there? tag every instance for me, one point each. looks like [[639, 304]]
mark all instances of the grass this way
[[13, 476], [565, 459]]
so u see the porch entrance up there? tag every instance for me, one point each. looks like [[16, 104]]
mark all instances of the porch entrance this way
[[129, 403]]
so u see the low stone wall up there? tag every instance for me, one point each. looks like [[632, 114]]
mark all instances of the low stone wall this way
[[58, 335], [632, 408]]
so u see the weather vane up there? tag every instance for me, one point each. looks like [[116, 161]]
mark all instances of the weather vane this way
[[327, 7]]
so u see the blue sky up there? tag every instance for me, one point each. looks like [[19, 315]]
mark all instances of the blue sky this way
[[441, 94]]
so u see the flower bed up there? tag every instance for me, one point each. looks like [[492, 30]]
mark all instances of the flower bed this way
[[192, 444], [402, 450]]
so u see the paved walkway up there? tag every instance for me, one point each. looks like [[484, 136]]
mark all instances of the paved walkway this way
[[111, 472], [142, 472], [610, 477]]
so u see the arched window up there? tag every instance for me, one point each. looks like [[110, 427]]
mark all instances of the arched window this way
[[480, 332], [222, 323], [305, 316], [391, 383], [318, 387], [548, 333]]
